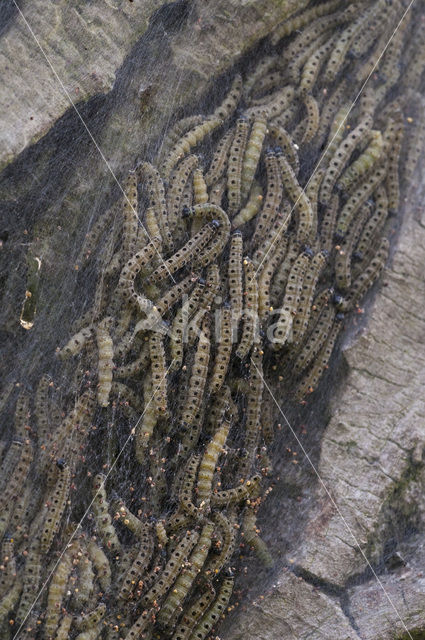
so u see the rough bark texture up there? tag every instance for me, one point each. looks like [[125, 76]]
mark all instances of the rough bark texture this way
[[370, 458]]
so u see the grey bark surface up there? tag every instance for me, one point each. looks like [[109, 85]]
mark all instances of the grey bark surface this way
[[370, 451]]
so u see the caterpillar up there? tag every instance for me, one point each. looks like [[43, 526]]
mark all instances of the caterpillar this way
[[253, 540], [224, 349], [269, 82], [77, 342], [313, 115], [140, 563], [84, 586], [315, 339], [101, 564], [298, 197], [123, 514], [208, 465], [152, 226], [219, 161], [360, 195], [229, 104], [193, 614], [214, 613], [217, 192], [340, 157], [146, 619], [276, 232], [306, 17], [55, 507], [18, 473], [300, 321], [62, 632], [105, 365], [281, 332], [333, 116], [187, 486], [211, 290], [190, 139], [310, 380], [133, 266], [181, 127], [197, 379], [186, 578], [159, 373], [92, 618], [283, 140], [344, 249], [312, 192], [376, 23], [252, 154], [250, 311], [280, 279], [129, 213], [235, 163], [296, 63], [215, 214], [234, 274], [313, 64], [228, 497], [392, 177], [178, 181], [215, 564], [178, 333], [200, 194], [173, 567], [274, 106], [375, 223], [251, 208], [327, 227], [272, 199], [145, 427], [190, 252], [21, 417], [365, 280], [102, 518], [56, 592], [364, 162]]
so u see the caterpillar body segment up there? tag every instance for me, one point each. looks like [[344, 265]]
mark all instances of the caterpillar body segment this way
[[214, 613], [252, 207], [208, 465], [250, 310], [186, 578], [252, 154], [235, 163], [219, 162], [190, 139], [272, 198], [223, 351]]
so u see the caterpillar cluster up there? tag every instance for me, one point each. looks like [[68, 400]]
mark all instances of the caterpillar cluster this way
[[223, 270]]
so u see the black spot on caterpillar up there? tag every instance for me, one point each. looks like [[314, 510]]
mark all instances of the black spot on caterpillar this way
[[250, 310], [214, 613], [235, 162]]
